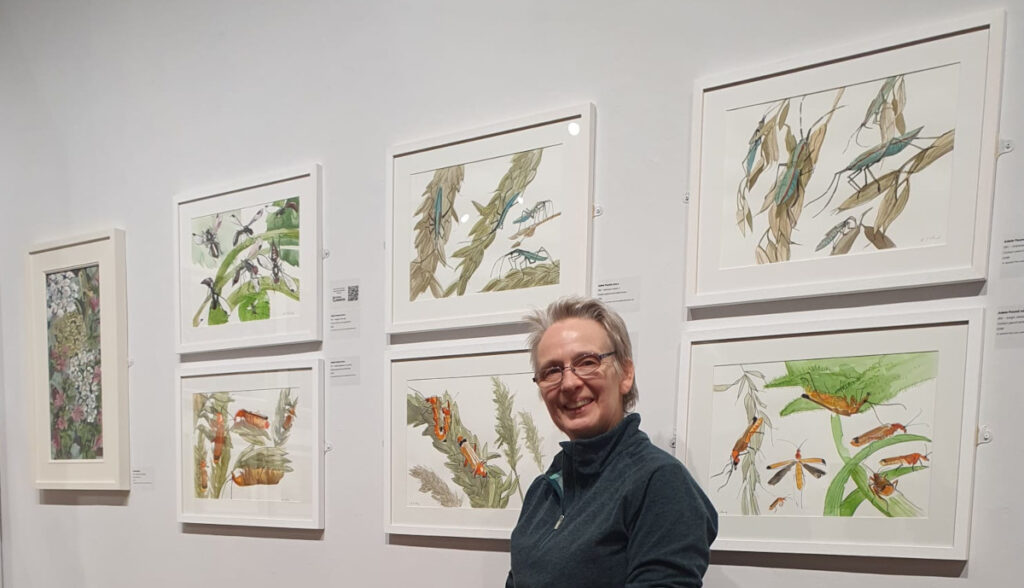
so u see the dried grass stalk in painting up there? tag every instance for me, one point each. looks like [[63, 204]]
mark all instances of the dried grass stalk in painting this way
[[870, 462], [748, 445], [785, 199], [263, 461], [432, 484], [521, 261], [73, 342], [258, 268], [436, 214], [493, 215], [891, 154], [472, 466]]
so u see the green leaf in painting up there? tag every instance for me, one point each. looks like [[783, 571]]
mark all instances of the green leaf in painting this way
[[290, 256], [286, 216], [217, 316], [254, 307]]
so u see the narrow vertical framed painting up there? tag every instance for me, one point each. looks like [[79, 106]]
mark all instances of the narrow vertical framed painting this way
[[250, 443], [78, 350], [862, 168], [485, 224], [249, 265], [841, 434], [468, 434]]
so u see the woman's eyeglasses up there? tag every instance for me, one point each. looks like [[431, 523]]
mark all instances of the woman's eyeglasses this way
[[583, 366]]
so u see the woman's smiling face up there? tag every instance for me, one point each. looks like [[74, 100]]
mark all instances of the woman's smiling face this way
[[582, 408]]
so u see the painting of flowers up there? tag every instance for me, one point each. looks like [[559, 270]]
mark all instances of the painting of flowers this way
[[73, 342]]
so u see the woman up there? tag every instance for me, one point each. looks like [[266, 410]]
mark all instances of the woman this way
[[613, 509]]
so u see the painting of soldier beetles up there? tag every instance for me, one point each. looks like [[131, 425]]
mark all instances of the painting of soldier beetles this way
[[240, 444], [860, 425], [835, 436], [249, 443], [858, 169], [469, 435], [488, 223], [250, 263], [73, 340], [492, 434]]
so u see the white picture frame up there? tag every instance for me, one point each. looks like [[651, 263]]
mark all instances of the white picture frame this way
[[522, 191], [78, 357], [771, 144], [461, 376], [245, 276], [275, 408], [898, 362]]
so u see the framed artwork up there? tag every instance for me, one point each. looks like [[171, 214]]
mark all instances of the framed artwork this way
[[838, 435], [468, 435], [78, 354], [486, 224], [865, 168], [249, 263], [250, 443]]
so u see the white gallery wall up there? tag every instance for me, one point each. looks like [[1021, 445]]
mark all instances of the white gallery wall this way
[[108, 109]]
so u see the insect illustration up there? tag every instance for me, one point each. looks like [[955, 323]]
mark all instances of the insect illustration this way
[[738, 448], [208, 238], [245, 229], [218, 438], [515, 199], [250, 476], [215, 296], [881, 486], [841, 228], [838, 404], [252, 418], [777, 503], [801, 162], [289, 418], [249, 266], [893, 90], [880, 432], [474, 462], [288, 205], [539, 211], [520, 258], [439, 214], [863, 162], [204, 476], [442, 421], [801, 463], [273, 265], [910, 459]]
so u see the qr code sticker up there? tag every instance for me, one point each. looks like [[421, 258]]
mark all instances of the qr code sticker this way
[[353, 293]]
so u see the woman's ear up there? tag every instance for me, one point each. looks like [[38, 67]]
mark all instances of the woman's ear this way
[[626, 383]]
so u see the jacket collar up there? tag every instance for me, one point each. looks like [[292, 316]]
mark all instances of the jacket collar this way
[[589, 456]]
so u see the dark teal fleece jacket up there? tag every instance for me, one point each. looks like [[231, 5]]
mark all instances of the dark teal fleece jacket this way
[[613, 510]]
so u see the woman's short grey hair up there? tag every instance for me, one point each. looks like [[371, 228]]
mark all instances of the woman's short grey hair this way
[[585, 308]]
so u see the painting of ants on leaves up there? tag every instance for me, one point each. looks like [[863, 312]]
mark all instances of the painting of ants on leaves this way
[[874, 165], [249, 267], [487, 224], [250, 443], [469, 435], [868, 425]]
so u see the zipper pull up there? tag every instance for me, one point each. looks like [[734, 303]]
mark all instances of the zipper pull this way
[[558, 523]]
